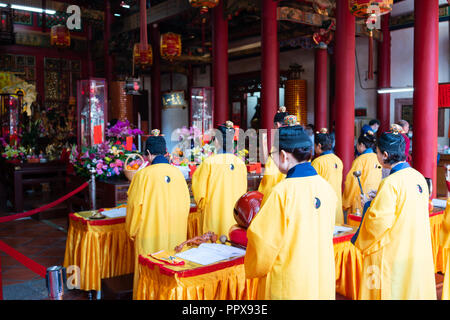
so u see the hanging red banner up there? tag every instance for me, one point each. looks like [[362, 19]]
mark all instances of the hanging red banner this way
[[444, 95]]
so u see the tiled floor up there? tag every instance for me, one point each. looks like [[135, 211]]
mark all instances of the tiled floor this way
[[44, 242]]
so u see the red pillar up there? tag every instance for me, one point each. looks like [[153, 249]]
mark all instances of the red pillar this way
[[269, 66], [156, 78], [220, 65], [321, 89], [384, 76], [345, 84], [107, 36], [426, 79]]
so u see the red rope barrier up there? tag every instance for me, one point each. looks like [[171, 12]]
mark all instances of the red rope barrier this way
[[48, 206], [1, 284], [27, 262]]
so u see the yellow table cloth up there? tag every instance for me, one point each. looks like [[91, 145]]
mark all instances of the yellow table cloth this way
[[226, 280], [100, 248], [348, 264], [220, 281], [440, 254]]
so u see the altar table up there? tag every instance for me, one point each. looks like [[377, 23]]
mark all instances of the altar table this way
[[17, 175], [440, 254], [100, 248], [226, 280]]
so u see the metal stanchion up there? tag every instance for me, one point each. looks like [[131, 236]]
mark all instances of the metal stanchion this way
[[55, 282], [92, 190], [93, 194]]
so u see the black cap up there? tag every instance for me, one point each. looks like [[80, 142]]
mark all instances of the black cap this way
[[293, 137], [155, 143]]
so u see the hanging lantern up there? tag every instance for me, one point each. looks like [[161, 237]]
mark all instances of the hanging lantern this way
[[370, 10], [204, 5], [363, 8], [60, 36], [142, 52], [170, 46], [142, 57]]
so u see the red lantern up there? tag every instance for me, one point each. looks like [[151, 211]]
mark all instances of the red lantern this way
[[60, 36], [204, 5], [170, 46], [363, 8], [371, 10], [142, 56]]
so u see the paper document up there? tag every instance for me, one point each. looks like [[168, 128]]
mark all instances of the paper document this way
[[439, 203], [209, 253], [340, 229], [115, 213]]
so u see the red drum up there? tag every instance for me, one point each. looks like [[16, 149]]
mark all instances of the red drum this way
[[238, 235], [247, 207]]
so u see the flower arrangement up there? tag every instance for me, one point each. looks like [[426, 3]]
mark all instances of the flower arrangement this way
[[242, 154], [107, 161], [15, 153], [120, 131]]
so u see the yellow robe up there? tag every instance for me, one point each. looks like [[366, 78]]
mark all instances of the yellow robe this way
[[371, 176], [290, 242], [330, 167], [395, 241], [444, 235], [157, 211], [272, 176], [217, 185]]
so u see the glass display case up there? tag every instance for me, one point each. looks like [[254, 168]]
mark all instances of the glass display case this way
[[92, 111], [10, 109], [202, 108]]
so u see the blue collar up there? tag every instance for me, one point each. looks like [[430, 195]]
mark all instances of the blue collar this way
[[160, 159], [224, 152], [301, 170], [327, 152], [370, 150], [399, 167]]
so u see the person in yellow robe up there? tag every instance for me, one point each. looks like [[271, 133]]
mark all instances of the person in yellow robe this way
[[218, 183], [158, 204], [272, 175], [394, 235], [290, 241], [329, 167], [371, 174], [444, 235]]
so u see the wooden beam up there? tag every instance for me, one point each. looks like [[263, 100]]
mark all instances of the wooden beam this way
[[156, 14]]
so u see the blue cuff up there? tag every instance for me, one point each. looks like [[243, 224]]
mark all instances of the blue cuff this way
[[366, 207]]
